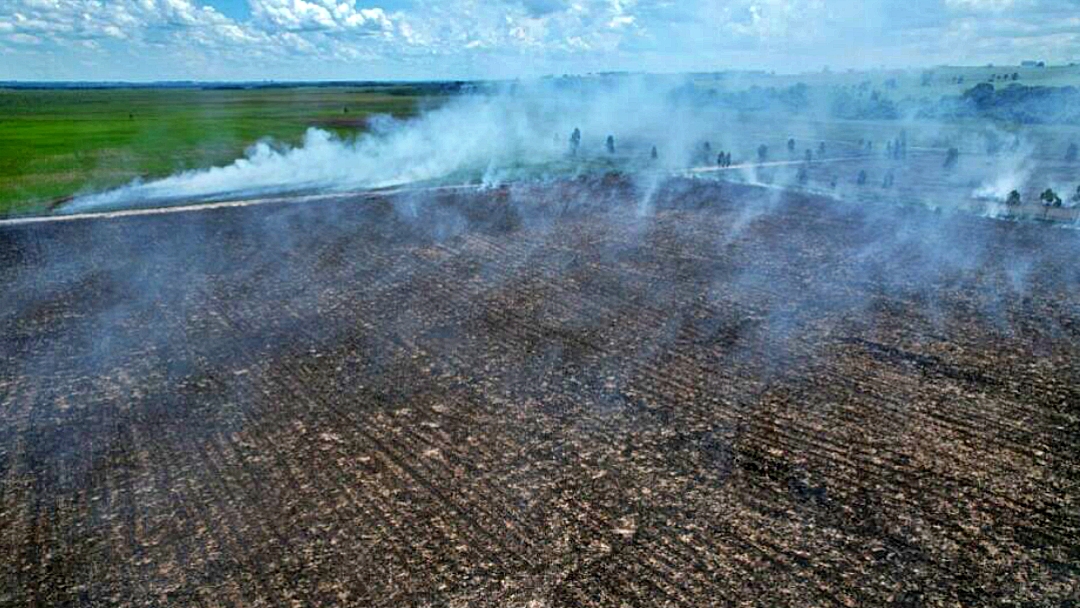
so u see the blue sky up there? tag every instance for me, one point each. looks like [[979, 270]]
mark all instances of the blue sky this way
[[234, 9], [410, 39]]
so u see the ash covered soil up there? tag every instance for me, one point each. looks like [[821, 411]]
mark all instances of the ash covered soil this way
[[540, 396]]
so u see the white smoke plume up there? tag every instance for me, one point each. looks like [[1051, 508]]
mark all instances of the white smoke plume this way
[[1011, 171], [519, 130]]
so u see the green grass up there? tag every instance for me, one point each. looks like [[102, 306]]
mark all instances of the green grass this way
[[57, 143]]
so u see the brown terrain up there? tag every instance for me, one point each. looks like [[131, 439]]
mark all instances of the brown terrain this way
[[541, 396]]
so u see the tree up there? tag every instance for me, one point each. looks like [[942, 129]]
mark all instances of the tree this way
[[575, 141], [1072, 153], [1076, 197], [951, 158], [611, 144], [982, 95], [791, 145], [1014, 199], [861, 179], [1050, 198], [720, 159], [654, 154], [762, 152]]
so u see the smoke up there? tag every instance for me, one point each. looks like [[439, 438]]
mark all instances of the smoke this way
[[596, 280], [509, 133], [1012, 178], [1009, 170], [521, 132], [460, 139]]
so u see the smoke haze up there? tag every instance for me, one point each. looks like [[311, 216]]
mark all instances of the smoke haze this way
[[521, 131], [512, 132]]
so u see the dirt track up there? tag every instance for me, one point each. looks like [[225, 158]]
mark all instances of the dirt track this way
[[537, 398]]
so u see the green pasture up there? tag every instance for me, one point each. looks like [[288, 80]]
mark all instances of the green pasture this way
[[57, 143]]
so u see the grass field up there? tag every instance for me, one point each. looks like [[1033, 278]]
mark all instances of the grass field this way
[[55, 143], [58, 143]]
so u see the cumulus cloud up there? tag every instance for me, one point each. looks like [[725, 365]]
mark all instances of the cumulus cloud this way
[[980, 5], [535, 26], [319, 15], [64, 20], [142, 39]]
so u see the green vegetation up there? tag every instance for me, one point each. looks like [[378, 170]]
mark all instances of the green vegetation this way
[[1007, 95], [56, 143], [931, 83]]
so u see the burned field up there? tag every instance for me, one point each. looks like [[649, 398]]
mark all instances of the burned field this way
[[541, 396]]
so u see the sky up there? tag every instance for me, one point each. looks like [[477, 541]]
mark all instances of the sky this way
[[217, 40]]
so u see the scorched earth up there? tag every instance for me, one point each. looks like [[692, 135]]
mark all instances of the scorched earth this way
[[579, 393]]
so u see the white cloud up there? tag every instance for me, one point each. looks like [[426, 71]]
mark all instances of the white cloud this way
[[477, 38], [93, 19], [303, 15], [980, 5], [24, 39]]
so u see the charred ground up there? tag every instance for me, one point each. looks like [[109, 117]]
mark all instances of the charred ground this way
[[541, 396]]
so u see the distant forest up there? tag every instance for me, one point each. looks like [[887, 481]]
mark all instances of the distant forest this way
[[1014, 103], [1008, 102]]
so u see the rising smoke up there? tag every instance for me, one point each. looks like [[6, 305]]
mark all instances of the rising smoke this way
[[520, 132], [511, 132]]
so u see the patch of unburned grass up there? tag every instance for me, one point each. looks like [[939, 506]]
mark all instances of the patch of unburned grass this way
[[57, 143]]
